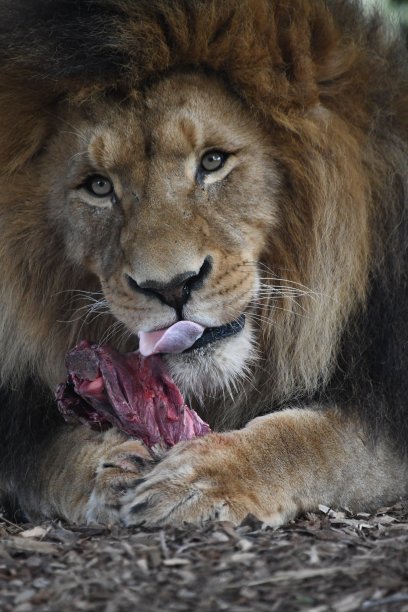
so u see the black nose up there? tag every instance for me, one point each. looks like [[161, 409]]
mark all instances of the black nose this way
[[176, 292]]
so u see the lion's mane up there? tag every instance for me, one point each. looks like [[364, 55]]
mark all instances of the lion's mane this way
[[331, 87]]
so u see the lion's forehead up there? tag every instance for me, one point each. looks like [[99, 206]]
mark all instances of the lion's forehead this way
[[176, 120], [118, 143]]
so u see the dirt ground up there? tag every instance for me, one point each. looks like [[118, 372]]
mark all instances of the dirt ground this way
[[328, 561]]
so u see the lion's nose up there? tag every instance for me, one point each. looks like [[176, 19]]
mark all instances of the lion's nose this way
[[177, 291]]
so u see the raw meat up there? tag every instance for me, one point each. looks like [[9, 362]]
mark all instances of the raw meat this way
[[131, 392]]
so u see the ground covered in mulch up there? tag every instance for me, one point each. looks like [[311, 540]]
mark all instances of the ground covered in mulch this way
[[328, 561]]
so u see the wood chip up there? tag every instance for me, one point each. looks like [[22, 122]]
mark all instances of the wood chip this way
[[321, 562], [19, 544], [175, 562], [35, 532]]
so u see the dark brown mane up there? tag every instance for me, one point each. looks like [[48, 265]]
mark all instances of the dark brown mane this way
[[273, 53]]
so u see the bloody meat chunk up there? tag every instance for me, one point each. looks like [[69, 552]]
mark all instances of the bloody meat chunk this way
[[131, 392]]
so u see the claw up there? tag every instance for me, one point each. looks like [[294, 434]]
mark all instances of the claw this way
[[139, 507]]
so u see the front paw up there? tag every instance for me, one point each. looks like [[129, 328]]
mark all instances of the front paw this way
[[210, 478], [119, 471]]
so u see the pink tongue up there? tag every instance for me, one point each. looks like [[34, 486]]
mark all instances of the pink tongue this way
[[174, 339]]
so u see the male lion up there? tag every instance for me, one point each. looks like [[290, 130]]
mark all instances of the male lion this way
[[243, 162]]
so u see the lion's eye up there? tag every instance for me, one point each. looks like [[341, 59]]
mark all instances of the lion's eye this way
[[213, 160], [99, 186]]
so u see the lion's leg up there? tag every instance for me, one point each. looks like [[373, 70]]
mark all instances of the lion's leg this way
[[82, 475], [276, 467]]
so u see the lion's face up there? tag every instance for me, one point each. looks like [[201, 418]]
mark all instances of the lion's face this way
[[169, 201]]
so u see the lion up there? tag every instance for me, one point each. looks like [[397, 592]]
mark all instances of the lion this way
[[238, 165]]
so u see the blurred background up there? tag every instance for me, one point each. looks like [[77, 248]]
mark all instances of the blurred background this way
[[396, 8]]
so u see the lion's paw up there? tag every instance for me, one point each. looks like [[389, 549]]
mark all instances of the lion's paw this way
[[119, 472], [198, 481]]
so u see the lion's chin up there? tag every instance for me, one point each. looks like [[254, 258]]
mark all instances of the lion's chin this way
[[215, 367]]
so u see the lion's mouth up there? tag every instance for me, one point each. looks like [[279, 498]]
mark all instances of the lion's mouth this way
[[186, 336], [213, 334]]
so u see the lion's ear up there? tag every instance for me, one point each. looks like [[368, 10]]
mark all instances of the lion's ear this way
[[25, 120]]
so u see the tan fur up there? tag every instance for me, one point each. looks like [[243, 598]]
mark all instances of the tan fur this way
[[276, 467], [90, 473], [289, 224]]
